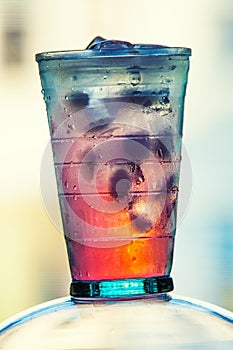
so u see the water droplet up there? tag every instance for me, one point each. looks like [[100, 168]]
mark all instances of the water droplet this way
[[165, 80], [134, 76], [53, 125], [42, 91], [146, 110], [105, 77], [66, 185], [134, 259], [139, 180], [66, 97], [172, 67], [159, 153], [164, 100], [163, 106], [71, 126], [168, 80], [74, 187]]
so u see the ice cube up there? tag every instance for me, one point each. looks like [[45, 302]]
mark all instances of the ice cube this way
[[94, 42], [99, 43]]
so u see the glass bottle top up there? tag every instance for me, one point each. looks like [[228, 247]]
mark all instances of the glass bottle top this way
[[162, 323]]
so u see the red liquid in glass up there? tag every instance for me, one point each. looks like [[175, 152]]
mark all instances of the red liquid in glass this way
[[118, 216]]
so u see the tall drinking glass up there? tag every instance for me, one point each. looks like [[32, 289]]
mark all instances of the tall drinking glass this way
[[115, 113]]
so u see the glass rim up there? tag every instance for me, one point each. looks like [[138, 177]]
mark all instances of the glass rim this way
[[147, 51]]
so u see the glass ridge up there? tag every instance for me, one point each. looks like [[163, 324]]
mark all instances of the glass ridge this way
[[78, 54]]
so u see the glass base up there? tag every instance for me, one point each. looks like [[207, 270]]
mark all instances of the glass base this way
[[124, 288]]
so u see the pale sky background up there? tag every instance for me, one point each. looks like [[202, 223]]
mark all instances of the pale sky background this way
[[32, 251]]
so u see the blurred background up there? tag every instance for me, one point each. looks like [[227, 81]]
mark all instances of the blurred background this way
[[33, 259]]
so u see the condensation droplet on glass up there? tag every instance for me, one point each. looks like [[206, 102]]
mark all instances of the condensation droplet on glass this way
[[165, 80], [168, 80], [172, 67], [71, 126], [74, 187], [146, 110], [139, 180], [134, 77], [66, 97], [53, 125], [159, 153]]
